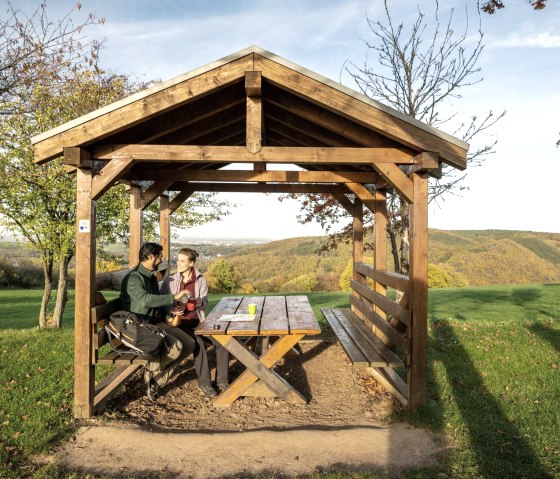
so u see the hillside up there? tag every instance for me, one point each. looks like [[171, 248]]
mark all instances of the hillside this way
[[469, 258]]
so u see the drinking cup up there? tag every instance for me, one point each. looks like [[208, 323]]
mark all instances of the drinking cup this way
[[252, 308]]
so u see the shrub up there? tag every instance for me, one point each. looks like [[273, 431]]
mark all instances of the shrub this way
[[304, 283]]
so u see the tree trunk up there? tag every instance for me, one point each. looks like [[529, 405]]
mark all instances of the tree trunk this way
[[62, 292], [47, 261]]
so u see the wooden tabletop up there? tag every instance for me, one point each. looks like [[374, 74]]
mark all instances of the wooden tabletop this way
[[276, 316]]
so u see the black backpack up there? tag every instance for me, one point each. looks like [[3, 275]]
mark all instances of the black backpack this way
[[138, 335]]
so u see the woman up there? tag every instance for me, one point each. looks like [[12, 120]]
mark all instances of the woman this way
[[187, 317]]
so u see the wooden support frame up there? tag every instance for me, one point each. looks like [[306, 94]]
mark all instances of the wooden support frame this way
[[179, 134], [418, 371], [165, 226], [84, 372], [135, 224]]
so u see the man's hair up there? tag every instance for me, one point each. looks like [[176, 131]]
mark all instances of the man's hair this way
[[149, 248], [190, 253]]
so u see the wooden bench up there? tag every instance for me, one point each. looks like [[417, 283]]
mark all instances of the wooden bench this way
[[127, 363], [361, 344]]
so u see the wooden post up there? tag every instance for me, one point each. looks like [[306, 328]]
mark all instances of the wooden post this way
[[84, 371], [357, 245], [164, 226], [135, 225], [253, 83], [418, 371], [380, 241]]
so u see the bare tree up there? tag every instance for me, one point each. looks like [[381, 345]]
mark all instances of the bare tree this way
[[33, 42], [491, 6], [418, 70]]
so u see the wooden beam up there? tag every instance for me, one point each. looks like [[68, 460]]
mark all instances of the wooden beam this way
[[418, 371], [278, 176], [132, 113], [239, 154], [253, 83], [254, 115], [392, 125], [135, 225], [366, 196], [77, 157], [393, 175], [110, 174], [345, 202], [260, 188], [154, 191], [84, 372], [179, 199]]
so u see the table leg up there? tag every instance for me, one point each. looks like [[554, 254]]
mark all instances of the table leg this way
[[259, 368]]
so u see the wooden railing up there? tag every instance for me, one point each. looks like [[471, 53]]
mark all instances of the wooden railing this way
[[389, 319]]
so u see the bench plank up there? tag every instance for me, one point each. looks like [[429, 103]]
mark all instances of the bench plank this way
[[355, 355], [361, 340], [389, 357]]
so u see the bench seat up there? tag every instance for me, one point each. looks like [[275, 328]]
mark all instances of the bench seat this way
[[362, 345]]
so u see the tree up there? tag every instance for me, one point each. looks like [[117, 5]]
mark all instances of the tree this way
[[418, 71], [491, 6], [33, 43], [50, 87], [223, 276]]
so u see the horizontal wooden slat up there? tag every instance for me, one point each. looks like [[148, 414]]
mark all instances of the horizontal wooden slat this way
[[396, 337], [389, 358], [104, 310], [386, 304], [355, 355], [397, 281], [227, 305], [391, 381]]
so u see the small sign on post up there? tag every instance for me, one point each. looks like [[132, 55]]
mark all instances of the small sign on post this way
[[83, 226]]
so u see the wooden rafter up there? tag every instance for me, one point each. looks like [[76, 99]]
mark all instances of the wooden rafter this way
[[335, 100], [116, 120], [326, 119]]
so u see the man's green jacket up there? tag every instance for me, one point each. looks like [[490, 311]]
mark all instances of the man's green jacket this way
[[140, 294]]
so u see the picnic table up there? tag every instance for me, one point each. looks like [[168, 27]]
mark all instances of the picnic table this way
[[284, 318]]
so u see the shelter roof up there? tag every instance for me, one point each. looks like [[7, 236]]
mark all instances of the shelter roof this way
[[207, 109]]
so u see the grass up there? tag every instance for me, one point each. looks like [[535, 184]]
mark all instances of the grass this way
[[494, 382]]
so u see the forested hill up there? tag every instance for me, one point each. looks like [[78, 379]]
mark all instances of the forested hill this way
[[456, 258]]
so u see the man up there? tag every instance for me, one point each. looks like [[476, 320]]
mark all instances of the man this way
[[140, 294]]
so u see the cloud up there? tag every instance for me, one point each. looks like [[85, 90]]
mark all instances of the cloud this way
[[542, 40]]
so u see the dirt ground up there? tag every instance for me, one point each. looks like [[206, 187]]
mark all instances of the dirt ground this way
[[344, 427]]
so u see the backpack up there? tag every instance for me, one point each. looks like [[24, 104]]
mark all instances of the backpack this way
[[138, 335]]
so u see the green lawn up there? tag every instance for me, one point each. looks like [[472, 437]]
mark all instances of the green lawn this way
[[494, 382]]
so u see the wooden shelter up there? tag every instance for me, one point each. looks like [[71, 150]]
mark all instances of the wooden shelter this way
[[256, 108]]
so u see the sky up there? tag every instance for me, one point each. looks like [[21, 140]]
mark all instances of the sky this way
[[515, 189]]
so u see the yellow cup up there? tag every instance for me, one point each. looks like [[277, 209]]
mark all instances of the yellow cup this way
[[252, 308]]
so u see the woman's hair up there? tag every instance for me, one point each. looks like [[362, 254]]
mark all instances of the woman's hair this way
[[190, 253]]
